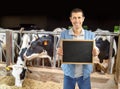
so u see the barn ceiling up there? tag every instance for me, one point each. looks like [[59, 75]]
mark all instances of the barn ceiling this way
[[99, 9]]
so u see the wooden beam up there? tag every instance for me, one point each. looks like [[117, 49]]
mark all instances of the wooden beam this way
[[9, 47]]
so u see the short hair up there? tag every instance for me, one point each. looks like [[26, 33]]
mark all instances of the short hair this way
[[76, 10]]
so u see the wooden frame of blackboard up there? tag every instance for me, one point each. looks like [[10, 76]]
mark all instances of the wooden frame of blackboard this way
[[77, 51]]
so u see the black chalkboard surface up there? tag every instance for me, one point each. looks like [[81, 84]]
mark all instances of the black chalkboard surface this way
[[77, 51]]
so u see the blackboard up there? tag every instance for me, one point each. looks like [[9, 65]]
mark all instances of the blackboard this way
[[77, 51]]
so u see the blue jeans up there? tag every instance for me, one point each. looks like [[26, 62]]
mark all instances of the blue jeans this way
[[69, 83]]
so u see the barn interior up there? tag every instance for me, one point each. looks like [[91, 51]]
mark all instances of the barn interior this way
[[49, 15]]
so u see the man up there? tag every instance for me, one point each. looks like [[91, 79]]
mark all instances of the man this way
[[77, 73]]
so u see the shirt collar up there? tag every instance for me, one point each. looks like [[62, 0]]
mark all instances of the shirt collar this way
[[72, 33]]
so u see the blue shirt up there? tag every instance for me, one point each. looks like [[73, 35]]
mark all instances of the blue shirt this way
[[69, 69]]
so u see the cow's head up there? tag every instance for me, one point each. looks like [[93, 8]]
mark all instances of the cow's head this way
[[19, 71], [40, 46], [103, 43]]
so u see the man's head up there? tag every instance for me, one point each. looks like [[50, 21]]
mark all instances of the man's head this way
[[76, 10], [77, 18]]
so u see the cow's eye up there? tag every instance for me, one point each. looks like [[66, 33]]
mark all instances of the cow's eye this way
[[33, 45], [28, 43], [39, 43]]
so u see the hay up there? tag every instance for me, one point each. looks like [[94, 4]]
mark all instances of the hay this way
[[7, 82]]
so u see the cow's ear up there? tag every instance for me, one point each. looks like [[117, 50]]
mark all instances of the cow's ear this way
[[36, 37]]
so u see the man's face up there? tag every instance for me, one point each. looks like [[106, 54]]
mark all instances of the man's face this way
[[77, 20]]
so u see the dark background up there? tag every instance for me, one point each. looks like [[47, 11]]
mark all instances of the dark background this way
[[104, 14]]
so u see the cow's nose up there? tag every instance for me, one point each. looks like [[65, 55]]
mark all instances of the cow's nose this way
[[101, 61]]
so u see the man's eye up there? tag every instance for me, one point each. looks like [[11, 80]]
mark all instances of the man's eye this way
[[74, 18]]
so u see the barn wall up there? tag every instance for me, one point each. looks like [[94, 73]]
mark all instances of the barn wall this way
[[52, 22], [14, 21]]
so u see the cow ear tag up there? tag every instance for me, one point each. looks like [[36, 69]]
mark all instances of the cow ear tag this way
[[45, 43], [8, 68]]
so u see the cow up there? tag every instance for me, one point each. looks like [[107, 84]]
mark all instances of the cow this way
[[19, 69], [3, 44], [41, 47], [103, 43]]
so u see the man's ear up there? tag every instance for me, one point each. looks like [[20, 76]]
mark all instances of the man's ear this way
[[83, 19]]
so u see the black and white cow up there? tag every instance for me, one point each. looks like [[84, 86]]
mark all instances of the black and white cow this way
[[103, 43], [19, 69], [3, 44], [40, 47]]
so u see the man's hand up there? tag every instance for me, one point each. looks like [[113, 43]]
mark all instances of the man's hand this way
[[95, 51], [60, 51]]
